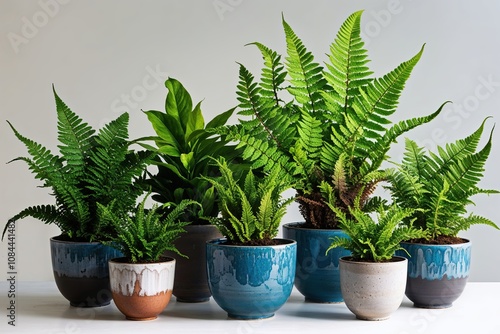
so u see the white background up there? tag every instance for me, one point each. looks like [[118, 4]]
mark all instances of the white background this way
[[106, 57]]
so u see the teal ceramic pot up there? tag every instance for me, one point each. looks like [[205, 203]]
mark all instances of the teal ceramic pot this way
[[251, 282], [81, 271], [437, 274], [317, 275]]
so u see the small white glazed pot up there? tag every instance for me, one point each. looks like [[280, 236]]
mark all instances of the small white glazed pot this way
[[141, 291], [371, 290]]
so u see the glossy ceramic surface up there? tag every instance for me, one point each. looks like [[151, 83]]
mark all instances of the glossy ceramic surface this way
[[81, 271], [317, 275], [141, 291], [251, 282], [437, 274]]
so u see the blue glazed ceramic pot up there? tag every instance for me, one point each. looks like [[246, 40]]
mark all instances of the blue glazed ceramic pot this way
[[81, 271], [437, 274], [251, 282], [317, 276]]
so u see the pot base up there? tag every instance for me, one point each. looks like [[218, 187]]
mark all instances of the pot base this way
[[192, 300], [243, 317], [434, 294]]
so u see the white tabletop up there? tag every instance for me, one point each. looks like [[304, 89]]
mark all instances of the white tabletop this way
[[41, 309]]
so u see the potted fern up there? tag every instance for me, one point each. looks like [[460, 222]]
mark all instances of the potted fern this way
[[330, 132], [440, 185], [142, 280], [250, 271], [184, 148], [373, 278], [93, 167]]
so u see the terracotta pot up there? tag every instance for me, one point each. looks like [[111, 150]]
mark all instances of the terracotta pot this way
[[372, 290], [317, 275], [437, 274], [191, 282], [81, 271], [141, 291]]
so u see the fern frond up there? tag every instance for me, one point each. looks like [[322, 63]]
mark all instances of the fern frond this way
[[45, 165], [468, 171], [254, 216], [74, 135], [379, 149], [45, 213], [310, 135], [347, 70], [305, 75]]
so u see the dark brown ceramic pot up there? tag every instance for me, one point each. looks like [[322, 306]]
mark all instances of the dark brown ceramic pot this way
[[141, 291], [191, 283]]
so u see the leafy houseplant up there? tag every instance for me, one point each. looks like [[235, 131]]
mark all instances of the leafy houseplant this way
[[327, 127], [184, 148], [250, 272], [375, 241], [142, 280], [335, 130], [93, 168], [251, 208], [373, 279], [144, 236], [440, 185]]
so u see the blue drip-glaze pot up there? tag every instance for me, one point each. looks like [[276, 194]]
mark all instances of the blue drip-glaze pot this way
[[317, 276], [81, 271], [251, 282], [437, 274]]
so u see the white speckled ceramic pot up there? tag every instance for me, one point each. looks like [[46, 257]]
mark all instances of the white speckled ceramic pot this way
[[141, 291], [373, 291]]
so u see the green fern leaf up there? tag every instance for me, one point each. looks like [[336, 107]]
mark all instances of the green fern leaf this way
[[305, 75], [347, 71]]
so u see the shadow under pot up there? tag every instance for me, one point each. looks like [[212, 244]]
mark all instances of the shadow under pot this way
[[81, 271], [437, 274], [251, 282], [317, 276]]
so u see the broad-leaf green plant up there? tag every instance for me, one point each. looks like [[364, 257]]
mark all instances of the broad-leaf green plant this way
[[251, 207], [185, 149], [441, 185], [375, 240], [328, 126], [144, 235], [92, 168]]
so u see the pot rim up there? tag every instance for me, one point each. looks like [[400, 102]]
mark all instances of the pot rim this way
[[298, 226], [466, 241], [123, 260], [396, 259], [56, 239], [283, 243]]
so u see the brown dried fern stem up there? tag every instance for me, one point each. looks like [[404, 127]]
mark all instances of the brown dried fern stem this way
[[315, 212]]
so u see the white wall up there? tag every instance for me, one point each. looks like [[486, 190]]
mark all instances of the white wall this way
[[98, 52]]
